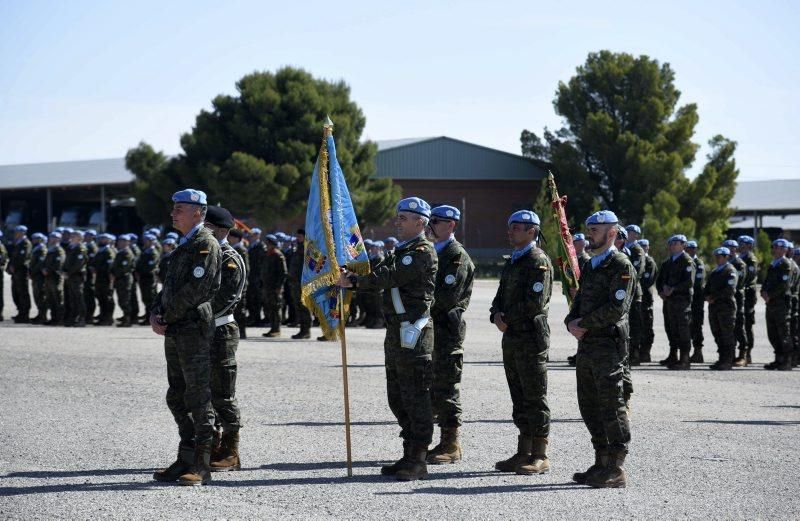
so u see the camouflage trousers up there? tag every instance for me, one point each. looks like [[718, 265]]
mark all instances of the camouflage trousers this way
[[648, 335], [272, 299], [147, 287], [635, 320], [778, 327], [739, 327], [89, 296], [223, 377], [698, 317], [599, 372], [134, 300], [408, 383], [39, 295], [19, 291], [448, 365], [254, 300], [750, 298], [794, 325], [721, 319], [2, 290], [123, 288], [105, 297], [677, 319], [54, 296], [188, 354], [525, 362], [74, 295], [302, 314]]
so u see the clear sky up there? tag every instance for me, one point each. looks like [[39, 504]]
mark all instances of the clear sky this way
[[83, 80]]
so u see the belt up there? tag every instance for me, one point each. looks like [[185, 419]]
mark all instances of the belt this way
[[221, 321]]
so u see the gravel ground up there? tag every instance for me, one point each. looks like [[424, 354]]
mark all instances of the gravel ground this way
[[84, 425]]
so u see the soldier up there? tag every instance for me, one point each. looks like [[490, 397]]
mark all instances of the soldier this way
[[183, 313], [235, 237], [373, 316], [648, 280], [89, 297], [741, 269], [636, 255], [18, 264], [225, 342], [746, 254], [273, 276], [519, 311], [75, 274], [122, 279], [597, 318], [256, 252], [698, 303], [53, 282], [103, 283], [145, 271], [794, 321], [579, 243], [296, 280], [408, 278], [719, 292], [451, 298], [38, 255], [776, 292], [675, 283], [136, 252], [167, 247], [3, 263], [288, 311], [389, 245]]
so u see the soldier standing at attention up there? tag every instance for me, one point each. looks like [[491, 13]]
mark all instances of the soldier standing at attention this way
[[225, 343], [776, 292], [519, 311], [698, 303], [240, 313], [53, 282], [741, 269], [792, 255], [104, 283], [137, 252], [38, 255], [451, 299], [648, 280], [145, 273], [183, 314], [746, 254], [579, 242], [296, 278], [719, 292], [635, 253], [89, 296], [18, 264], [273, 277], [3, 263], [122, 279], [167, 247], [674, 284], [598, 319], [256, 253], [408, 279], [75, 275]]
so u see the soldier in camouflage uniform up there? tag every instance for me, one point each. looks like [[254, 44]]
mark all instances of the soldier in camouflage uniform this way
[[675, 283], [122, 279], [233, 279], [38, 255], [741, 268], [635, 254], [18, 265], [75, 275], [89, 295], [698, 303], [145, 271], [183, 313], [103, 280], [3, 263], [136, 252], [519, 311], [53, 282], [167, 247], [255, 295], [648, 281], [598, 319], [776, 292], [296, 278], [273, 277], [579, 242], [794, 323], [408, 279], [746, 254], [240, 313], [720, 291], [451, 299], [371, 299]]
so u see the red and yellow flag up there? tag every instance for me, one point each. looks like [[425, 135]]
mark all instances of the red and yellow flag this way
[[567, 258]]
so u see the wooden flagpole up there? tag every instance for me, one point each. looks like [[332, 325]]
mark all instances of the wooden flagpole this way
[[345, 385]]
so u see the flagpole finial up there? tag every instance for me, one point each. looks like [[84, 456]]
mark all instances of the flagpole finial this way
[[327, 128]]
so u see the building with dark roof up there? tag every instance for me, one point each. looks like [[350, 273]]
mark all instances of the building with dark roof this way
[[772, 206]]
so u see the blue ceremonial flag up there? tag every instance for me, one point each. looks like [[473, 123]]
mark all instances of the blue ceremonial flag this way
[[333, 240]]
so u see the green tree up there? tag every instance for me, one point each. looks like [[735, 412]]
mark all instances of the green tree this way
[[763, 250], [661, 221], [254, 152]]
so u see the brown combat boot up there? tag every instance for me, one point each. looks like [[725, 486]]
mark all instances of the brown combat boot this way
[[449, 448], [200, 471], [272, 333], [671, 359], [537, 463], [391, 470], [741, 360], [612, 475], [179, 467], [600, 461], [415, 467], [227, 456], [524, 447], [682, 364]]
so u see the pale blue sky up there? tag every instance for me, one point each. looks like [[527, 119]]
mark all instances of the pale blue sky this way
[[83, 80]]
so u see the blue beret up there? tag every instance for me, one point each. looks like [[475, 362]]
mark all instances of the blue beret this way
[[634, 228], [21, 228], [722, 250], [451, 213], [66, 230], [190, 196], [154, 231], [133, 236], [379, 244], [254, 231], [90, 232], [149, 237], [730, 243], [781, 243], [746, 239], [524, 217], [369, 242], [271, 238], [691, 244], [603, 217], [281, 236], [124, 237], [578, 237], [643, 242], [622, 232], [414, 205], [36, 235], [77, 232], [111, 236], [791, 245], [170, 240], [677, 238], [55, 235], [173, 235], [391, 239]]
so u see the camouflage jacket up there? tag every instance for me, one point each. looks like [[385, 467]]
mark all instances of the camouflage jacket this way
[[741, 273], [20, 257], [720, 287], [583, 258], [163, 266], [3, 256], [412, 270], [699, 279], [604, 297], [147, 263], [38, 255], [54, 262], [751, 275], [232, 279], [273, 269], [524, 292], [794, 288], [649, 275], [123, 264], [678, 274], [103, 260], [91, 251], [192, 280], [778, 283], [636, 256], [77, 258], [296, 263], [256, 253], [454, 277]]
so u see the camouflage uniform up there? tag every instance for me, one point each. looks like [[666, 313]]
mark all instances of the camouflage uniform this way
[[371, 301], [720, 289], [54, 283], [75, 273], [777, 286], [122, 271], [637, 258], [302, 314], [103, 261], [750, 299], [583, 258], [794, 313], [3, 263], [273, 277], [134, 299], [739, 330], [677, 273], [698, 308], [255, 297], [38, 254], [19, 261], [240, 313], [648, 280], [146, 269], [89, 296]]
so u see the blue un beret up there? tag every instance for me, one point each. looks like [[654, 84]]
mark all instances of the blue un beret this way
[[36, 235], [90, 232], [271, 238], [149, 237], [524, 217], [746, 239], [173, 235], [722, 251], [791, 245], [124, 237], [369, 242], [78, 233], [781, 243], [622, 232], [170, 240], [55, 235], [414, 205], [190, 196], [643, 242], [691, 244], [451, 213], [21, 228], [730, 243], [634, 228], [255, 231], [603, 217], [677, 238], [578, 237], [379, 244], [154, 231], [111, 237], [392, 239]]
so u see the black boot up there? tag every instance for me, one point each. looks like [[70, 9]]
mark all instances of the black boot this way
[[416, 466], [179, 467], [671, 359], [612, 475], [600, 461], [682, 364], [392, 469]]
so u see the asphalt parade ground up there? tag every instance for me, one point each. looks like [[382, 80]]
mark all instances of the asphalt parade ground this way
[[84, 425]]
